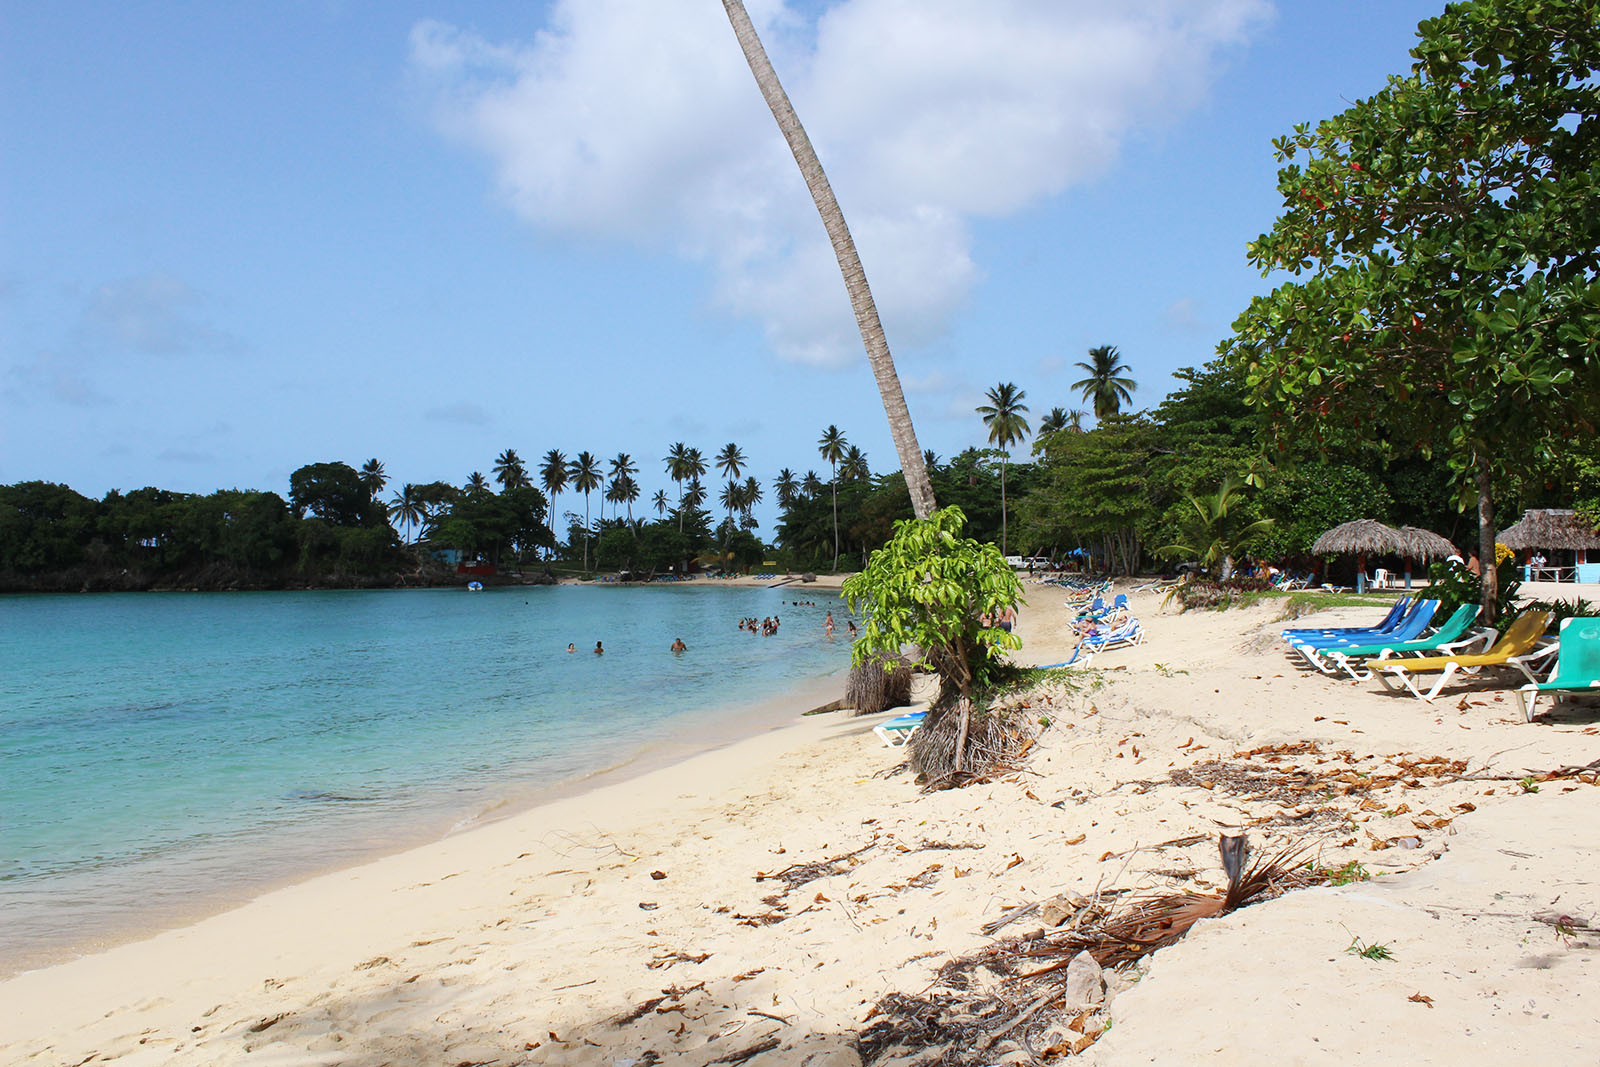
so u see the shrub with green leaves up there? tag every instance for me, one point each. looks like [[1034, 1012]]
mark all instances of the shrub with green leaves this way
[[933, 589]]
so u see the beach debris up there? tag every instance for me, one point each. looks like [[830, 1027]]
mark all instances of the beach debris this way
[[747, 1053], [798, 874], [667, 959], [658, 875], [1086, 984]]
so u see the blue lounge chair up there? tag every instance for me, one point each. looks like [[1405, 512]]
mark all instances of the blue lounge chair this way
[[1409, 628], [1389, 622]]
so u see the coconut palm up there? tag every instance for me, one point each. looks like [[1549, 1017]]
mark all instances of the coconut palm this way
[[1104, 387], [372, 477], [694, 464], [677, 461], [622, 468], [629, 492], [730, 461], [694, 495], [831, 446], [1213, 530], [553, 476], [1075, 419], [931, 459], [1053, 422], [509, 471], [406, 508], [787, 486], [586, 478], [1003, 414], [844, 249], [854, 465], [477, 483], [811, 485], [749, 496], [661, 503]]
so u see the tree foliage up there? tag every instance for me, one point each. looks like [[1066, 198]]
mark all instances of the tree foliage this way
[[1448, 230]]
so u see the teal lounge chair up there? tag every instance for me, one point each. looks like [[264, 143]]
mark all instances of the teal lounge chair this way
[[1577, 665], [896, 732]]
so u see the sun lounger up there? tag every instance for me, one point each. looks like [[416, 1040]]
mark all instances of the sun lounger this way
[[897, 732], [1577, 665], [1514, 649], [1447, 640], [1409, 629], [1390, 621]]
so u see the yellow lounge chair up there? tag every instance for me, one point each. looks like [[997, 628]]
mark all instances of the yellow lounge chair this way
[[1512, 650]]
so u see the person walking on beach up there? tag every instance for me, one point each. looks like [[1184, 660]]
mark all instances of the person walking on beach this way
[[599, 649]]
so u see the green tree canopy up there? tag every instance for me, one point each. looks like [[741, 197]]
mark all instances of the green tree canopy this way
[[1448, 232]]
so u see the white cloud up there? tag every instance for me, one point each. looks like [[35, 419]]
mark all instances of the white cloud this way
[[637, 121]]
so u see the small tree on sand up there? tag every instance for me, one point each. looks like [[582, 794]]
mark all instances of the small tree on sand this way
[[935, 592]]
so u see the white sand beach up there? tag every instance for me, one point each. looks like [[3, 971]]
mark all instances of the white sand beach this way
[[641, 922]]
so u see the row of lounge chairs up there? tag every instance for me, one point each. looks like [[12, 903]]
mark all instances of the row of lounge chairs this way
[[1400, 650]]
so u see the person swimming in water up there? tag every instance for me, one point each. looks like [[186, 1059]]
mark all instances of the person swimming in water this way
[[572, 646], [599, 649], [679, 646]]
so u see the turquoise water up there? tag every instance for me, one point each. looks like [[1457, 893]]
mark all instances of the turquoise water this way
[[162, 754]]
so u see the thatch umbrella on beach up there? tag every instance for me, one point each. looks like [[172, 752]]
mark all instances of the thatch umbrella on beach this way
[[1422, 546], [1555, 528], [1361, 537]]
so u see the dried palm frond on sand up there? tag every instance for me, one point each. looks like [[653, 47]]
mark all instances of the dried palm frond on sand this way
[[969, 1017]]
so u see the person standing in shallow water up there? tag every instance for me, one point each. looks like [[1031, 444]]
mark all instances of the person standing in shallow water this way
[[679, 646], [572, 646], [827, 625], [599, 649]]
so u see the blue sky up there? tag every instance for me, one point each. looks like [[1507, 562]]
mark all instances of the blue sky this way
[[235, 239]]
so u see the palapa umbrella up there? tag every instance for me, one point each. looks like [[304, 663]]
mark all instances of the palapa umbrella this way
[[1422, 546], [1360, 537]]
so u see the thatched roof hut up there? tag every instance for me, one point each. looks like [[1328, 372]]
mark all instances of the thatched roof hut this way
[[1424, 545], [1554, 528], [1362, 536]]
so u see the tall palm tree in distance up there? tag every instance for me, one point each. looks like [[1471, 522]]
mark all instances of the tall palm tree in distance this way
[[405, 508], [372, 477], [661, 503], [749, 497], [477, 483], [1075, 419], [831, 446], [931, 459], [1053, 422], [854, 465], [811, 485], [509, 471], [694, 497], [1105, 387], [1003, 414], [695, 464], [844, 249], [787, 487], [586, 478], [730, 461], [677, 461], [622, 468], [553, 476]]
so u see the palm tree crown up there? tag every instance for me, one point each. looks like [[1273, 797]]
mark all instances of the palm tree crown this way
[[509, 471], [831, 445], [372, 477], [405, 508], [586, 477], [1105, 387], [1003, 414]]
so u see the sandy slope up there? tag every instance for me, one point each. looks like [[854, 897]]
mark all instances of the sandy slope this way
[[548, 938]]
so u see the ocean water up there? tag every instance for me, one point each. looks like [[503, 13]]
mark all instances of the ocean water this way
[[163, 755]]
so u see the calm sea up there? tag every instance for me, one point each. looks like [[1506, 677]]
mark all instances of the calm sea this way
[[163, 755]]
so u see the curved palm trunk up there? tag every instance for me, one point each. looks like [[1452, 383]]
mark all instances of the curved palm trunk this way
[[1002, 505], [855, 277], [835, 485]]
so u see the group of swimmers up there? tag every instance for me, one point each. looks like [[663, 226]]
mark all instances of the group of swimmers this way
[[600, 649], [768, 626]]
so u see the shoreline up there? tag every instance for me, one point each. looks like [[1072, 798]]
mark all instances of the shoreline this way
[[728, 724], [648, 915]]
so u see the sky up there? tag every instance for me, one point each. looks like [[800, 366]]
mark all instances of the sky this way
[[239, 238]]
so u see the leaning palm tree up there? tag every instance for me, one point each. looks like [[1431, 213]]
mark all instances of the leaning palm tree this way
[[372, 477], [844, 249], [1003, 414], [831, 446], [586, 478], [406, 508], [509, 470], [661, 503], [1105, 387]]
